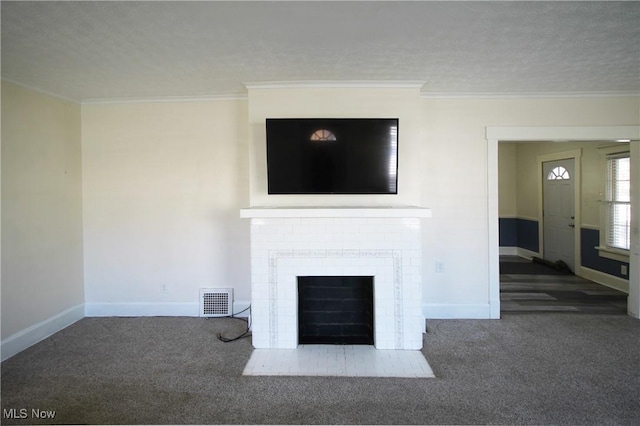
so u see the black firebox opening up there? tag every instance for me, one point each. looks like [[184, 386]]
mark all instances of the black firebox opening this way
[[335, 310]]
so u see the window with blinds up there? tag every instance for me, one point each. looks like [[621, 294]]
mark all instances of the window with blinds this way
[[618, 201]]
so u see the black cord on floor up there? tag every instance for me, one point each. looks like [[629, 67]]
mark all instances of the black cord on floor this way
[[227, 340], [247, 333]]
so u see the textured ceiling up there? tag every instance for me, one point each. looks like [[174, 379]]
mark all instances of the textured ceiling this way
[[116, 50]]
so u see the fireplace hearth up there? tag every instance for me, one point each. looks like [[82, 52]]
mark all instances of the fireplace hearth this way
[[335, 310]]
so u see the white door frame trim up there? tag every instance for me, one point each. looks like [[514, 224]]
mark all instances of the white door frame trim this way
[[494, 135], [575, 155]]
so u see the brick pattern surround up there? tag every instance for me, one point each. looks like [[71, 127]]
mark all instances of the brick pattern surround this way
[[389, 249]]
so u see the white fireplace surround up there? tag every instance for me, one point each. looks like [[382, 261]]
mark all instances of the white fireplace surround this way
[[382, 242]]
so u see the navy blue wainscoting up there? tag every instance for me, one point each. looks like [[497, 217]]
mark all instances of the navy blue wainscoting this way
[[528, 235], [508, 232], [516, 232], [589, 240]]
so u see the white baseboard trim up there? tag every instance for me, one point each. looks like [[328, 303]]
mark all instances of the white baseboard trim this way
[[21, 340], [141, 309], [605, 279], [153, 309], [240, 308], [456, 311], [527, 254], [518, 251], [508, 251]]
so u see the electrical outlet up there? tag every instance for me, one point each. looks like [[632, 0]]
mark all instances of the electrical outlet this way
[[623, 270], [164, 288], [440, 267]]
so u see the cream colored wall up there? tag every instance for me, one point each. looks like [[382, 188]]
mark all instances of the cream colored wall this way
[[402, 103], [443, 165], [519, 180], [163, 186], [454, 185], [507, 206], [592, 176], [42, 253], [527, 180]]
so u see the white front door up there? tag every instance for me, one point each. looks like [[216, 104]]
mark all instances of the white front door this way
[[559, 211]]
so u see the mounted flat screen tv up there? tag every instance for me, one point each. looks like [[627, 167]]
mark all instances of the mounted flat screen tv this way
[[332, 155]]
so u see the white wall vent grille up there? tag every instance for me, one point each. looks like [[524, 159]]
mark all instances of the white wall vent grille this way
[[216, 302]]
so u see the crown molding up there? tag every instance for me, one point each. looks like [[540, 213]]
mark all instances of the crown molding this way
[[336, 84], [526, 95], [333, 84], [39, 90], [159, 99], [151, 99]]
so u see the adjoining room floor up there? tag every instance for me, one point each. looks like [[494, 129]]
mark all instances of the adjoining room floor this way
[[338, 360], [537, 288]]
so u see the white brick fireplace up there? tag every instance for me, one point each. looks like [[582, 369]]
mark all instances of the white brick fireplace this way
[[384, 243]]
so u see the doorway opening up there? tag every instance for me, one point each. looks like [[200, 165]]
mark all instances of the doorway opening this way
[[536, 135]]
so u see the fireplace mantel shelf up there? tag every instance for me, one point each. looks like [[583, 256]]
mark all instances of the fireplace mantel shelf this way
[[335, 212]]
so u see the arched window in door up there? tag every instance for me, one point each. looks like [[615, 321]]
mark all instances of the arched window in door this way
[[558, 173]]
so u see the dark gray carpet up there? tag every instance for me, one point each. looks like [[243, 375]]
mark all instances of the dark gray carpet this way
[[523, 369]]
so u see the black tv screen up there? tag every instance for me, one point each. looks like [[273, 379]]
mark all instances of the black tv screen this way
[[332, 155]]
